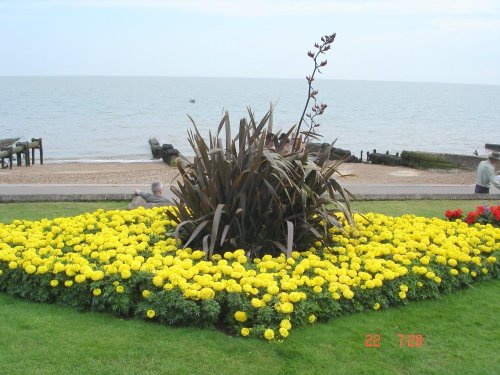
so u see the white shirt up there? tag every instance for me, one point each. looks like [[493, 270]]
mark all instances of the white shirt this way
[[485, 175]]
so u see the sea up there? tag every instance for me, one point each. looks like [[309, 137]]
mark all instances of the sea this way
[[95, 119]]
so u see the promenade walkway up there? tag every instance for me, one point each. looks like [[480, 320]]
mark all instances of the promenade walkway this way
[[37, 193]]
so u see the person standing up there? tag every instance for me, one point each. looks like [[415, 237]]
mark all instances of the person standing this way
[[486, 174]]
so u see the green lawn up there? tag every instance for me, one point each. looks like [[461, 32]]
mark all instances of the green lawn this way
[[50, 210], [461, 330], [36, 211], [461, 335]]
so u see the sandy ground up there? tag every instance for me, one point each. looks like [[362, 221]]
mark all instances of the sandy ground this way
[[144, 173]]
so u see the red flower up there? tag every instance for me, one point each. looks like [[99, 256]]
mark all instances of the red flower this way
[[453, 215], [479, 210], [471, 218], [496, 212]]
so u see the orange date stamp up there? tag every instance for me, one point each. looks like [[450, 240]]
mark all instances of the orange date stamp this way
[[374, 340]]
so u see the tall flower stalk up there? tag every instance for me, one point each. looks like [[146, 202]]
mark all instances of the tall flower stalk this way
[[316, 109]]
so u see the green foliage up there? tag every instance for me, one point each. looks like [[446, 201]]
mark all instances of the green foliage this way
[[242, 193]]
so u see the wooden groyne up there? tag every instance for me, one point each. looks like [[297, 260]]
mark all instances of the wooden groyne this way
[[21, 150], [426, 160], [492, 146], [167, 152]]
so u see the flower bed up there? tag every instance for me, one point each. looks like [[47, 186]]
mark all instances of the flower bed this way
[[482, 215], [121, 262]]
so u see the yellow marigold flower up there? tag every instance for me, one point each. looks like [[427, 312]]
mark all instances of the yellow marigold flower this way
[[198, 254], [402, 295], [273, 289], [452, 262], [158, 281], [267, 297], [30, 269], [294, 297], [120, 289], [437, 279], [376, 306], [218, 286], [54, 283], [269, 334], [150, 314], [312, 318], [317, 289], [491, 260], [484, 270], [168, 286], [256, 303], [79, 278], [424, 261], [348, 294], [285, 323], [464, 270], [420, 284], [454, 272], [473, 274], [96, 292], [403, 288], [283, 332], [207, 293], [430, 275], [286, 308], [245, 332], [240, 316], [116, 283], [125, 274], [242, 259], [146, 293], [12, 265], [68, 283], [97, 275]]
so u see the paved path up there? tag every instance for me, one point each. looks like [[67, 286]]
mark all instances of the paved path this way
[[27, 193]]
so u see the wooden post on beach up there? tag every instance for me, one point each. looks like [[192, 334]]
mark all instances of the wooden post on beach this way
[[19, 150], [23, 148], [36, 144], [7, 154], [27, 154], [41, 150], [33, 153]]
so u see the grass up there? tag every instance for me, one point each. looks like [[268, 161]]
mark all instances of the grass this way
[[40, 210], [461, 334], [50, 210], [461, 330], [426, 208]]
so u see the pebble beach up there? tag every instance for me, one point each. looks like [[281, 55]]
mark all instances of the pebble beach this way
[[140, 173]]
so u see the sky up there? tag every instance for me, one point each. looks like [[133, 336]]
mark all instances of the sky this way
[[456, 41]]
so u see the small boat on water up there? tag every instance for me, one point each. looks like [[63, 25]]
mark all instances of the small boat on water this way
[[6, 142]]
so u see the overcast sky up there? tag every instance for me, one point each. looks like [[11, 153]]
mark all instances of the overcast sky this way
[[396, 40]]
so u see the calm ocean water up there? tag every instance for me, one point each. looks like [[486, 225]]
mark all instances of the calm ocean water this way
[[100, 118]]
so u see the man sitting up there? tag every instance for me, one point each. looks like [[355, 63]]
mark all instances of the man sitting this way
[[143, 198]]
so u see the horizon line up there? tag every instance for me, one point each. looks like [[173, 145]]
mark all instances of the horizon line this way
[[234, 77]]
